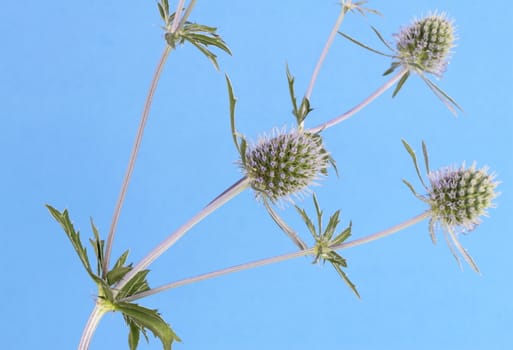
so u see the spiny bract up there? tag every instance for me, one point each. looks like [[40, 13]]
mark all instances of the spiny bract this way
[[285, 163]]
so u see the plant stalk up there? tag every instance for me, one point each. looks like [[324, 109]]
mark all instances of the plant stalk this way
[[133, 157], [90, 327], [223, 198], [279, 258], [362, 104], [324, 52]]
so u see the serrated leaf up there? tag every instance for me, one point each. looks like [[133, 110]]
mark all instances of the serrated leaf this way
[[233, 101], [307, 220], [290, 80], [136, 284], [142, 318], [319, 214], [332, 225], [117, 273], [347, 280], [122, 259], [98, 246], [342, 236], [74, 236], [400, 83], [414, 159]]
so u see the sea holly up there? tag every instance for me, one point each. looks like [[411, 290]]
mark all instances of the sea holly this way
[[283, 165], [458, 197], [423, 47]]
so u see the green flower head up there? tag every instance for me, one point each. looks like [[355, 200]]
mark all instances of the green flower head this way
[[285, 163], [459, 197], [425, 45]]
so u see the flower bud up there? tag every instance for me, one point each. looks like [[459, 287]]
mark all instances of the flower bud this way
[[425, 45], [285, 163]]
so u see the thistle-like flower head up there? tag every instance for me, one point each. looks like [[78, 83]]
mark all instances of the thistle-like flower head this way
[[425, 45], [458, 198], [285, 163]]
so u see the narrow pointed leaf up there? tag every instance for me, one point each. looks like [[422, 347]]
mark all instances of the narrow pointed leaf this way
[[449, 102], [363, 45], [307, 220], [342, 236], [332, 225], [414, 159], [284, 227], [347, 280], [400, 83], [233, 102], [426, 157], [380, 37], [136, 285], [133, 336]]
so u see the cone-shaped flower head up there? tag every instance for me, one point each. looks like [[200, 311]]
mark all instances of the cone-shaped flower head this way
[[425, 45], [460, 196], [285, 163]]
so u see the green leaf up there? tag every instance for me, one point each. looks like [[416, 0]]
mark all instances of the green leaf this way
[[98, 246], [233, 102], [347, 280], [136, 284], [117, 273], [319, 213], [332, 225], [414, 159], [401, 83], [74, 236], [426, 158], [290, 80], [380, 37], [363, 45], [243, 147], [133, 335], [342, 236], [284, 227], [307, 220], [447, 100], [144, 318]]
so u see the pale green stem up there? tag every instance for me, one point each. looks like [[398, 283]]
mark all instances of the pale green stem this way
[[230, 193], [91, 325], [280, 258], [324, 52], [361, 105], [133, 157]]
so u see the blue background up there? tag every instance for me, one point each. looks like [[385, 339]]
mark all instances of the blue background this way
[[73, 81]]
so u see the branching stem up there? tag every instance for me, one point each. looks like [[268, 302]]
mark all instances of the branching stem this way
[[280, 258], [230, 193]]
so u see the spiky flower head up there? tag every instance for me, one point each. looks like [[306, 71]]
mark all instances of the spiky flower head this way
[[425, 45], [285, 163], [459, 197]]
